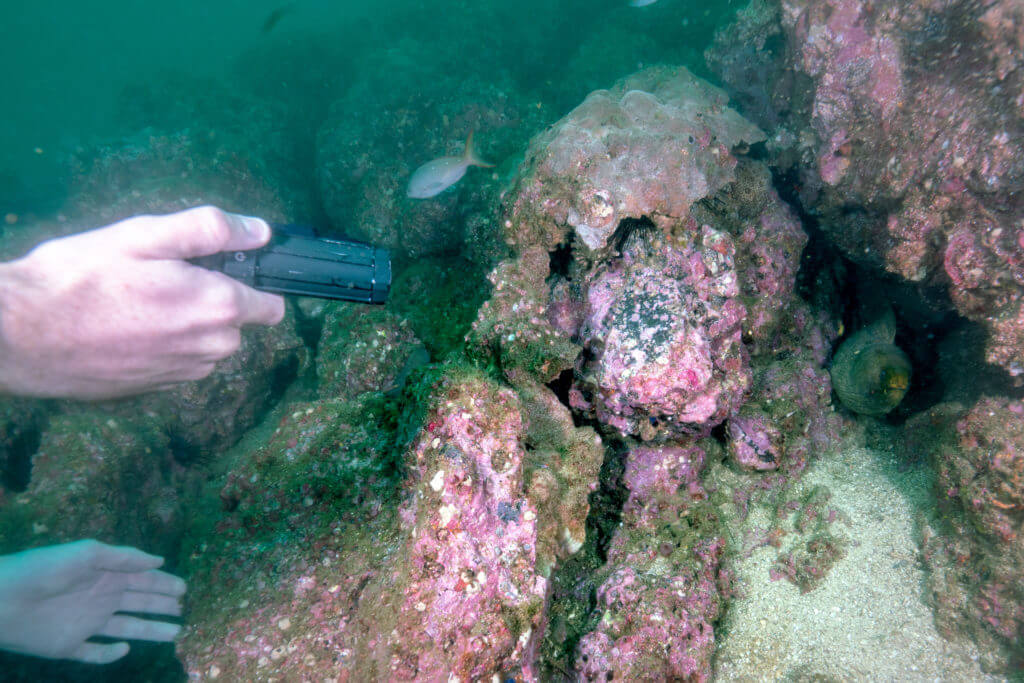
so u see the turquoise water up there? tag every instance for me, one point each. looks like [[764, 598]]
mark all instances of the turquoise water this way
[[80, 78], [69, 69], [318, 113]]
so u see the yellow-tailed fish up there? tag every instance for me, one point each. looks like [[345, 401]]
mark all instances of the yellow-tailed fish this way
[[438, 175]]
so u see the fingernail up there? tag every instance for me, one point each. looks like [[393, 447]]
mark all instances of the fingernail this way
[[257, 227]]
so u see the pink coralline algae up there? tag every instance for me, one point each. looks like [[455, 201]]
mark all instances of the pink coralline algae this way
[[655, 143], [484, 527], [471, 594], [451, 581], [652, 324], [976, 553], [907, 140], [660, 595], [789, 420], [754, 441], [663, 329]]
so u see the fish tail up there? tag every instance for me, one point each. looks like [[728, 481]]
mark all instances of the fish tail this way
[[470, 156]]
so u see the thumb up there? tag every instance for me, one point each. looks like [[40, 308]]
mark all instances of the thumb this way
[[195, 232]]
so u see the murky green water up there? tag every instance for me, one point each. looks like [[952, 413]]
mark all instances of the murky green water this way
[[69, 70], [271, 102]]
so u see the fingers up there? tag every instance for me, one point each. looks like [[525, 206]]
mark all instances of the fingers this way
[[259, 308], [93, 653], [155, 582], [133, 628], [227, 302], [118, 558], [196, 232], [150, 603]]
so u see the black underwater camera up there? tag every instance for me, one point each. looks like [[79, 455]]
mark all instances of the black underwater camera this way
[[297, 262]]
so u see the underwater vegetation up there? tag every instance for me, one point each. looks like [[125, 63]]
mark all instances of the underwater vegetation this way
[[602, 355]]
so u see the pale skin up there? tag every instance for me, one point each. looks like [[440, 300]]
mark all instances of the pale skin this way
[[107, 313], [53, 599], [117, 311]]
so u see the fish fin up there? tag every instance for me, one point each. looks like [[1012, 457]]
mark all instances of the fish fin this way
[[470, 157], [884, 328]]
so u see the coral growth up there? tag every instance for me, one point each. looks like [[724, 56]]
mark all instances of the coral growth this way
[[659, 597], [907, 150], [976, 554]]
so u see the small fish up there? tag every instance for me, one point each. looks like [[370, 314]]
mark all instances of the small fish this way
[[438, 175], [641, 3], [870, 374], [274, 17]]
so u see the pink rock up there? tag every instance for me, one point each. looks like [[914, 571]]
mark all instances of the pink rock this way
[[652, 145], [660, 596], [663, 329], [974, 559], [930, 157]]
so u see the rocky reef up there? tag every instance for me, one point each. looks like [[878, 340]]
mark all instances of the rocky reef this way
[[896, 130], [632, 298], [974, 553], [597, 357], [901, 124]]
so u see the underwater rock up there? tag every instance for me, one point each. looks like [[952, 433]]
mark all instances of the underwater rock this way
[[745, 58], [754, 442], [659, 594], [869, 372], [320, 562], [908, 151], [726, 269], [368, 148], [662, 332], [788, 420], [320, 456], [468, 595], [651, 146], [206, 416], [440, 298], [155, 172], [562, 466], [512, 326], [975, 553], [768, 242], [96, 476], [470, 579], [365, 349], [285, 541]]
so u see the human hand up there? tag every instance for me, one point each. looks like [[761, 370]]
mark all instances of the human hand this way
[[118, 311], [53, 599]]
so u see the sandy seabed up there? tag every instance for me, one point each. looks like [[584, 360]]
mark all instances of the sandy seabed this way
[[867, 621]]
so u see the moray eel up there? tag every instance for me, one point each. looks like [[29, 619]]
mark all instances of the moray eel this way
[[870, 374]]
